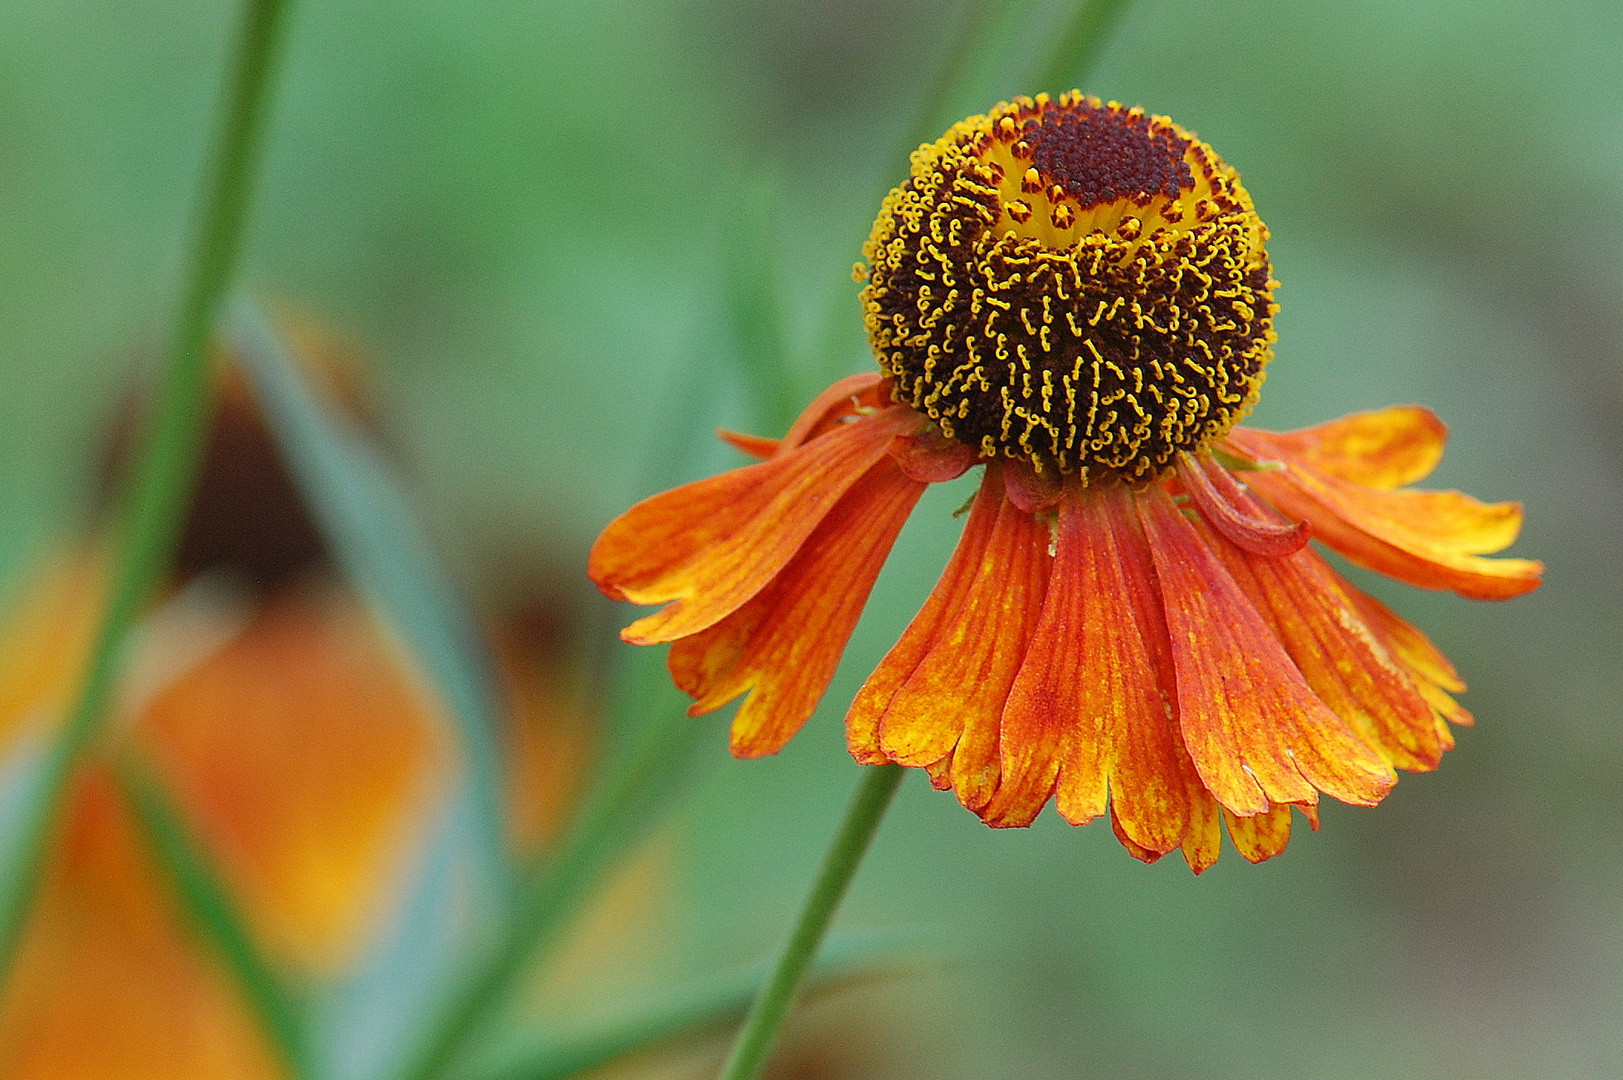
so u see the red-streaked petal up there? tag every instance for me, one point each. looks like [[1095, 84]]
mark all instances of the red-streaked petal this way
[[710, 546], [1134, 848], [1256, 731], [756, 446], [931, 458], [965, 567], [1154, 787], [1342, 659], [1019, 549], [1220, 501], [1388, 448], [1094, 701], [784, 644], [850, 396], [1433, 539], [965, 646], [1261, 836]]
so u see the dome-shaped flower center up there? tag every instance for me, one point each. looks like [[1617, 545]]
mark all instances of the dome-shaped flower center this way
[[1074, 284]]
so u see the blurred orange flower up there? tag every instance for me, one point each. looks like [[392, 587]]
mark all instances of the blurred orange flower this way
[[1076, 296], [301, 748]]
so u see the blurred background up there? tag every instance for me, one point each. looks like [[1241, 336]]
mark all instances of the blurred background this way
[[561, 234]]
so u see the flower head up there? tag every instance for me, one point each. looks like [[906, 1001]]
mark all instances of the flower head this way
[[1075, 297]]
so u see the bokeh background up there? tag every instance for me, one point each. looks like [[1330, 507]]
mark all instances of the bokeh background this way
[[564, 232]]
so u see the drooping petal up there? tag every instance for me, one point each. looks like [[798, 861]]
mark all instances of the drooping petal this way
[[942, 688], [1205, 839], [1388, 448], [932, 741], [1256, 731], [1407, 642], [1220, 501], [1260, 836], [1433, 675], [851, 396], [1340, 656], [706, 548], [1092, 709], [785, 642], [1433, 539]]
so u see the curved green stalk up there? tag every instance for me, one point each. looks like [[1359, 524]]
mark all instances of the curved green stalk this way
[[206, 900], [840, 864], [166, 470]]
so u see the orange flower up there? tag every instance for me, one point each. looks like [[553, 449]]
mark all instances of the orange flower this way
[[1076, 296]]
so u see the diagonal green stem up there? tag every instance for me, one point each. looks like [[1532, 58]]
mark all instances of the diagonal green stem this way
[[158, 495], [208, 903], [840, 864], [1079, 45]]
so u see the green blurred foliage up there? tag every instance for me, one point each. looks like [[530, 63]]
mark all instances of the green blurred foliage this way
[[530, 214]]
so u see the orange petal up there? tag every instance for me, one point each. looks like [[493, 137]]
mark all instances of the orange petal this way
[[1342, 659], [931, 458], [853, 395], [784, 644], [710, 546], [1134, 848], [1030, 490], [940, 773], [1261, 836], [1433, 539], [45, 641], [966, 567], [1222, 503], [959, 687], [1092, 707], [756, 446], [1388, 448], [1256, 731], [1204, 841], [1406, 642]]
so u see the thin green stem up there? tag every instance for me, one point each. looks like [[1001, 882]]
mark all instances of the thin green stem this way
[[840, 864], [209, 905], [158, 495], [1079, 44]]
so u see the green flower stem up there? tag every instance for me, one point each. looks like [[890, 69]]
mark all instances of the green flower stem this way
[[165, 473], [206, 900], [1084, 37], [840, 863]]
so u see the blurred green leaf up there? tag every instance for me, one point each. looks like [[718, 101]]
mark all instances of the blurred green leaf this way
[[379, 541], [1079, 44]]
